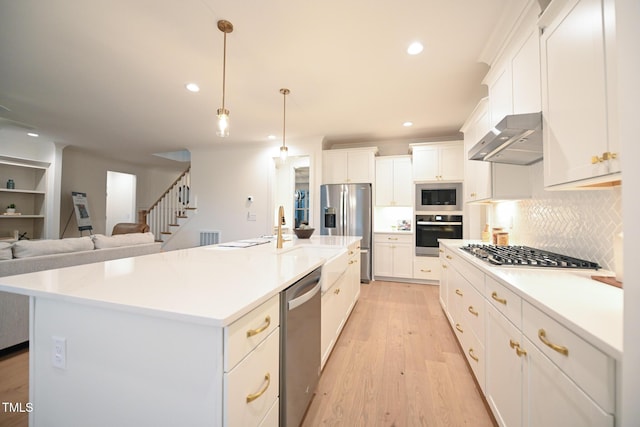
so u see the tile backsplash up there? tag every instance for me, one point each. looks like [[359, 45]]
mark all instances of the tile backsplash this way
[[580, 223]]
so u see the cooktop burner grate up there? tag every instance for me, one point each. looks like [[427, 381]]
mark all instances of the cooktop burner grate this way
[[526, 256]]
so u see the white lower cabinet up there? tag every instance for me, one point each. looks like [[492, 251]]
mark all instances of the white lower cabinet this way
[[553, 399], [504, 366], [533, 370], [426, 268], [253, 385], [338, 302], [251, 377], [393, 255]]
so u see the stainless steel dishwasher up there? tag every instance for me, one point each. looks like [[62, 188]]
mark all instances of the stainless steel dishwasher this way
[[299, 347]]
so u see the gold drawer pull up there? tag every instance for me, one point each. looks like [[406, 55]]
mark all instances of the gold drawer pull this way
[[472, 355], [425, 271], [337, 291], [494, 295], [350, 252], [444, 266], [254, 396], [449, 257], [392, 238], [441, 251], [473, 311], [514, 344], [560, 349], [458, 292], [458, 327], [252, 332]]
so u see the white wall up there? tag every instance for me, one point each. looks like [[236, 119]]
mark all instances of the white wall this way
[[223, 176], [17, 145], [628, 34]]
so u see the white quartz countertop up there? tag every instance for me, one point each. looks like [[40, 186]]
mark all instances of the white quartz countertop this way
[[212, 285], [591, 309]]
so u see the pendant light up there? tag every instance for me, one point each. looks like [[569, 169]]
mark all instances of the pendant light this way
[[284, 151], [223, 114]]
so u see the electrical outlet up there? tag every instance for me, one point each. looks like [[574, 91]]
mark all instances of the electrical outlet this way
[[59, 353], [251, 216]]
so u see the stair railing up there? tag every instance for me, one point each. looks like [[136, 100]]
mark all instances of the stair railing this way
[[170, 206]]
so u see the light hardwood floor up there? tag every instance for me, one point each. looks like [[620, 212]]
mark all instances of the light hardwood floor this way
[[397, 363], [14, 387]]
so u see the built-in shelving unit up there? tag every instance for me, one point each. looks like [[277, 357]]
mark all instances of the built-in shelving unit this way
[[29, 194]]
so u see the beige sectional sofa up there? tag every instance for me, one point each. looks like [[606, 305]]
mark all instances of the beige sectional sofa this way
[[27, 256]]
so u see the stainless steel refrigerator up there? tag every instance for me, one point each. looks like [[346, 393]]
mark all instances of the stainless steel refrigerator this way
[[346, 211]]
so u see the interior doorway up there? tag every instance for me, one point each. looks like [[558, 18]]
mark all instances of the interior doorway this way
[[121, 199]]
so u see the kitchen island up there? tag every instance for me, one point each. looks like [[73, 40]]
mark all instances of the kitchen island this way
[[162, 339]]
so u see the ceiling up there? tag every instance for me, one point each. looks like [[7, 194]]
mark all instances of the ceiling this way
[[109, 75]]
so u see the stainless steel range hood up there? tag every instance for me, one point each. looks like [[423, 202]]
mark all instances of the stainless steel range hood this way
[[516, 140]]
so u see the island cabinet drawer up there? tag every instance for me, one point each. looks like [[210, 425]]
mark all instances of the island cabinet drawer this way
[[504, 300], [252, 386], [592, 370], [474, 352], [246, 333]]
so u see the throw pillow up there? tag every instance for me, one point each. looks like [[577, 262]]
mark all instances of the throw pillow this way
[[5, 250]]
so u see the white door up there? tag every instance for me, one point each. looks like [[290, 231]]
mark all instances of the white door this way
[[121, 199]]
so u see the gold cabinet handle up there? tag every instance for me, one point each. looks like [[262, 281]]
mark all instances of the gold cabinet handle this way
[[472, 355], [337, 291], [254, 396], [560, 349], [472, 194], [425, 271], [444, 266], [609, 156], [494, 295], [353, 261], [596, 159], [458, 327], [458, 292], [473, 311], [516, 345], [252, 332], [441, 251], [350, 252], [392, 238], [449, 257]]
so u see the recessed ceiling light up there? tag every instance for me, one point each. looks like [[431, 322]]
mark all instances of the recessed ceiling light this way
[[33, 134], [271, 137], [192, 87], [415, 48], [407, 124]]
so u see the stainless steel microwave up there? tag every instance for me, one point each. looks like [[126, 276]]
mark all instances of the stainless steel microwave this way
[[439, 196]]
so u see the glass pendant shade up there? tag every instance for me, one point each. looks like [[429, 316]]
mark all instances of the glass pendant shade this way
[[284, 152], [223, 123]]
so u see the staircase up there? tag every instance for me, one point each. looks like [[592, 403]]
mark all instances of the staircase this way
[[172, 209]]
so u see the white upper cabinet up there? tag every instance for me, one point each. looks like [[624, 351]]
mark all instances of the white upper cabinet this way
[[347, 166], [514, 78], [578, 97], [438, 161], [394, 185]]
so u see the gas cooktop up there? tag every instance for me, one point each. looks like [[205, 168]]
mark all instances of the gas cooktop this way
[[526, 257]]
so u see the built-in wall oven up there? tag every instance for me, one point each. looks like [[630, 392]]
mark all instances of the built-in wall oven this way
[[439, 196], [431, 227]]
